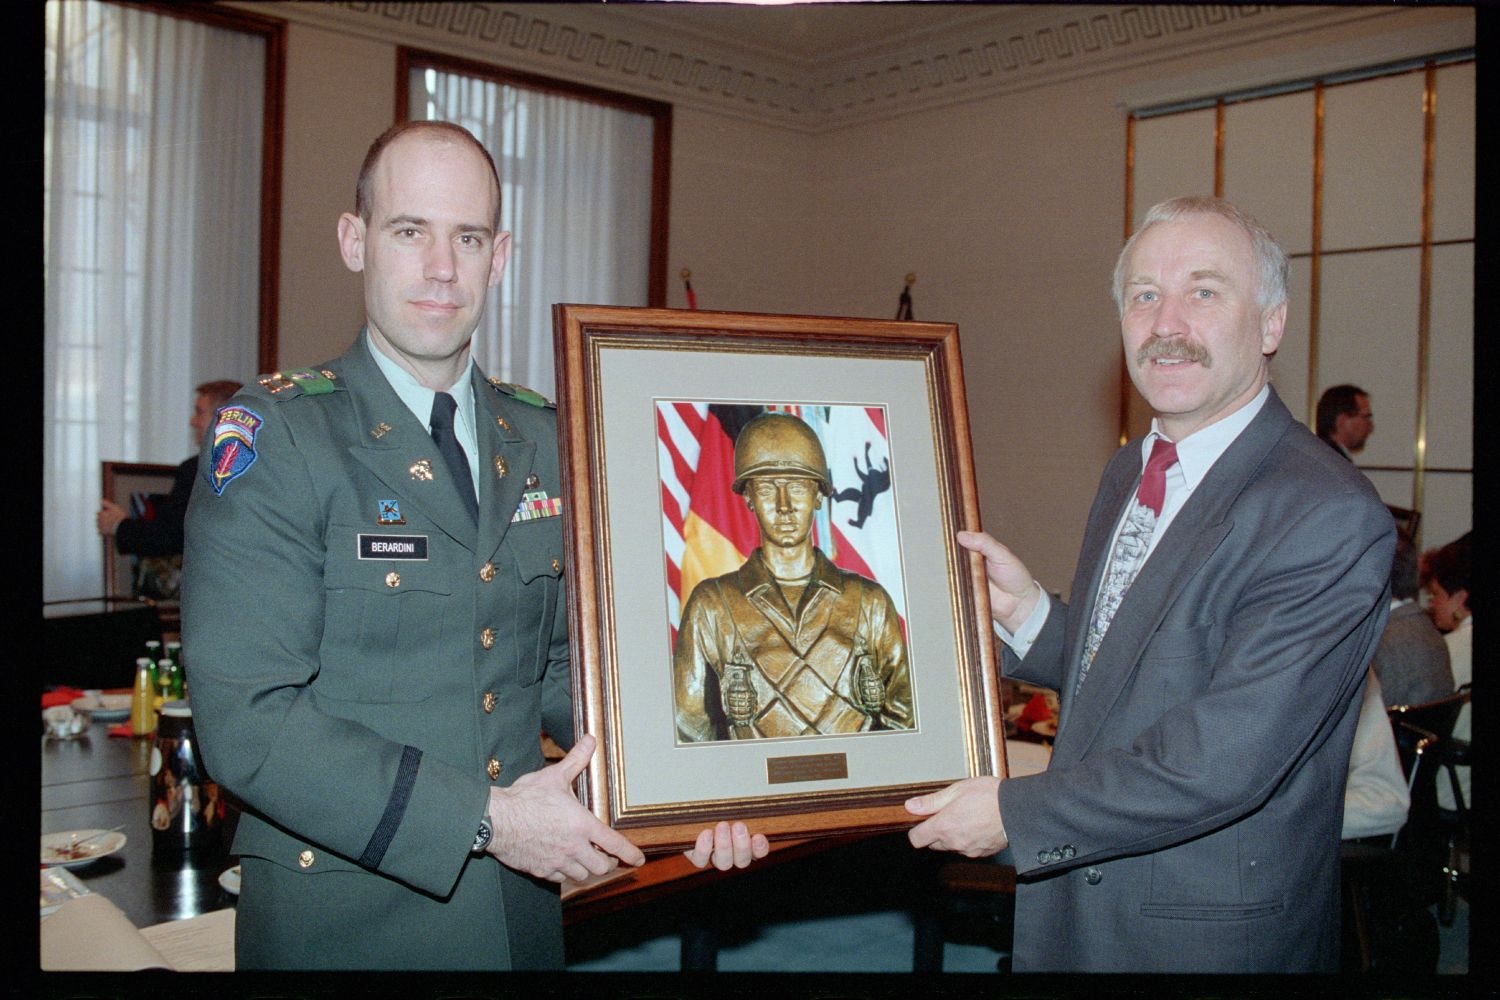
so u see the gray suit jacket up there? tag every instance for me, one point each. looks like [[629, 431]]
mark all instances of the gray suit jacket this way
[[1189, 820], [354, 668], [1412, 659]]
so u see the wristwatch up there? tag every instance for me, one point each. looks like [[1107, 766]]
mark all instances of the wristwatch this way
[[482, 838]]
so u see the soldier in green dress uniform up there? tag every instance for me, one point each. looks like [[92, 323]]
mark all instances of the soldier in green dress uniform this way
[[373, 612]]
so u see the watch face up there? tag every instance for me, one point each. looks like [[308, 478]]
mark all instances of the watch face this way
[[482, 838]]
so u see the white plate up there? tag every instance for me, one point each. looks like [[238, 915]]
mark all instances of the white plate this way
[[55, 847], [104, 707], [1044, 728], [230, 880]]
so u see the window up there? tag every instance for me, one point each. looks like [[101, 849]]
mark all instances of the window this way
[[155, 155]]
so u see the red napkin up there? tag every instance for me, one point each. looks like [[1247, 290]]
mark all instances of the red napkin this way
[[60, 696], [1036, 710]]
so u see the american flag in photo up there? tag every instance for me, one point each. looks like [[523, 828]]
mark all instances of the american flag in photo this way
[[709, 531]]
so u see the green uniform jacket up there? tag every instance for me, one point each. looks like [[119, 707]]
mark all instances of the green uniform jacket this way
[[359, 700]]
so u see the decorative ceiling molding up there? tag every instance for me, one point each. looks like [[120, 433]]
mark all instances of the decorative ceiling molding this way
[[668, 54]]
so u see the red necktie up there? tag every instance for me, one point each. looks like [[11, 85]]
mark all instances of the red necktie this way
[[1153, 488]]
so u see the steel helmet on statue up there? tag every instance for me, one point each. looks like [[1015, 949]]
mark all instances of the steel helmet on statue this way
[[778, 444]]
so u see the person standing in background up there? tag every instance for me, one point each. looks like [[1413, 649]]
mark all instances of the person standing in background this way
[[1344, 419], [161, 533]]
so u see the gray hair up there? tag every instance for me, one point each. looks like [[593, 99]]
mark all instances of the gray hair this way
[[1270, 258]]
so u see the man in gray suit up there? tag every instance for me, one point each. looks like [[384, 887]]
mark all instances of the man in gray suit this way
[[373, 616], [1412, 658], [1225, 606]]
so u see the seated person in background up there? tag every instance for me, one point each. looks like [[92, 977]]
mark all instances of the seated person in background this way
[[1446, 579], [1375, 797], [1412, 659], [161, 533]]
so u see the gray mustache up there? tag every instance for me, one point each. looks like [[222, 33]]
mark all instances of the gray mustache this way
[[1160, 347]]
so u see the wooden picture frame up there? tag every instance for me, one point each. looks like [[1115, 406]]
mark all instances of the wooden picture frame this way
[[641, 389], [119, 482]]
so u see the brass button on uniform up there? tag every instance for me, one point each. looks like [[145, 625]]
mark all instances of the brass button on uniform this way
[[556, 565], [487, 572], [489, 702], [393, 579], [305, 859], [487, 638], [493, 770]]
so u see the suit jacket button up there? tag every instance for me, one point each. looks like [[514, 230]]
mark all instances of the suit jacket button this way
[[487, 572], [489, 702], [1093, 876], [493, 769], [393, 579], [1054, 855], [1042, 857], [1068, 852], [487, 638], [305, 859]]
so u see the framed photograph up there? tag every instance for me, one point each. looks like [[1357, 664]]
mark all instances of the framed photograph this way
[[770, 617], [134, 485]]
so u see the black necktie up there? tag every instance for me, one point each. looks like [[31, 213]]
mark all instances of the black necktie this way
[[452, 452]]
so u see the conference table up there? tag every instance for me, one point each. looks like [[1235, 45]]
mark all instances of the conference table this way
[[99, 782]]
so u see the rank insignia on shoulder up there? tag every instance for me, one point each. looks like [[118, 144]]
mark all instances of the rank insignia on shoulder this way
[[313, 383], [536, 504], [390, 513], [522, 394], [305, 382], [233, 449]]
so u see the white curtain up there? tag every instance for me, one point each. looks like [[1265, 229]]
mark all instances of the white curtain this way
[[153, 137], [575, 181]]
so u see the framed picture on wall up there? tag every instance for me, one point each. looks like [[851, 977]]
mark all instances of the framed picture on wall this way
[[135, 487], [770, 616]]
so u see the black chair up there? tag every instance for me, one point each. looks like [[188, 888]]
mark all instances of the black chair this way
[[1424, 740], [1407, 520], [1452, 754], [1391, 888]]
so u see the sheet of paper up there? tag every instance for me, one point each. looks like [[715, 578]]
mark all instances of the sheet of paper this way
[[204, 943], [91, 934]]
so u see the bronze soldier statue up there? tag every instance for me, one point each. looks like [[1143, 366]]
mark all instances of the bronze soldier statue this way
[[788, 644]]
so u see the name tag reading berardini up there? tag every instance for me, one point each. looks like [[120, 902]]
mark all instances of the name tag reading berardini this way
[[811, 767], [393, 546]]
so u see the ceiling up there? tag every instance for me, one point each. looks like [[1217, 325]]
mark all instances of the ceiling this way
[[813, 31]]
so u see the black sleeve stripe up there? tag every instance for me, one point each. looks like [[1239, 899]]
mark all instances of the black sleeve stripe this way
[[395, 809]]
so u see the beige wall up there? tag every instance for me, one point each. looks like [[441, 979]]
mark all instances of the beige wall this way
[[1009, 210], [340, 94]]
